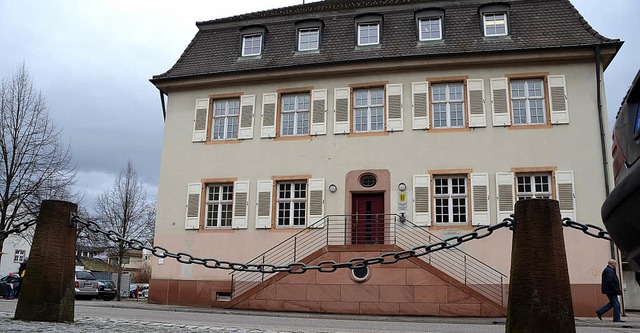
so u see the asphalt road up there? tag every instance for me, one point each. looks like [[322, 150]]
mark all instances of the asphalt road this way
[[131, 316]]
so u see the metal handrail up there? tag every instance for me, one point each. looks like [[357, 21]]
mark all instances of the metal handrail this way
[[395, 230]]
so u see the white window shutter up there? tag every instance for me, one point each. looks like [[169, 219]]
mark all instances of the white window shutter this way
[[268, 129], [247, 107], [505, 194], [395, 108], [319, 112], [421, 200], [200, 120], [475, 96], [316, 203], [420, 104], [341, 107], [192, 220], [500, 105], [480, 199], [558, 99], [240, 204], [264, 203], [566, 194]]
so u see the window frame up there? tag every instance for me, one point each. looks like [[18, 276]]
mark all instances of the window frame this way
[[296, 112], [369, 23], [244, 43], [226, 118], [420, 20], [450, 197], [306, 29], [494, 14], [368, 107], [219, 203], [448, 102], [17, 257], [531, 175], [527, 99], [292, 200]]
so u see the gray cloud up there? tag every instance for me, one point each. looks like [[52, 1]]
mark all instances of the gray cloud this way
[[93, 59]]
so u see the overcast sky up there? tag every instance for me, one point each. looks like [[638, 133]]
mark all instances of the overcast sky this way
[[92, 60]]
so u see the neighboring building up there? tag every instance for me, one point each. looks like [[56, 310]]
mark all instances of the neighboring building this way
[[15, 250], [310, 133]]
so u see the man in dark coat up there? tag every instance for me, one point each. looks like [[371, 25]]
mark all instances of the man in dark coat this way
[[611, 288]]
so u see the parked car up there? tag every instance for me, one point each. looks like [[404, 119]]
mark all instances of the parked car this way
[[107, 290], [4, 285], [86, 285], [143, 290]]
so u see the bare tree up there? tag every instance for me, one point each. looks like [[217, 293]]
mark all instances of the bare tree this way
[[124, 209], [34, 165]]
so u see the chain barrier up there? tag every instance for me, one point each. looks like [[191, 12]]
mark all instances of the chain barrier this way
[[326, 266], [298, 267], [585, 228], [17, 228]]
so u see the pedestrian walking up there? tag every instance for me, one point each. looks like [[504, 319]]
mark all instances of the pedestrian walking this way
[[611, 288]]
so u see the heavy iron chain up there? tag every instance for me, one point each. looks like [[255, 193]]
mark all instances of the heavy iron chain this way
[[326, 266], [585, 228], [17, 228]]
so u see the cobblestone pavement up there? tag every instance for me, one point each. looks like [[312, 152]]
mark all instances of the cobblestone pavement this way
[[91, 324]]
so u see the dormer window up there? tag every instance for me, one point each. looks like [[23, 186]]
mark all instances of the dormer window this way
[[251, 45], [494, 19], [368, 34], [308, 39], [309, 35], [430, 29], [429, 24], [495, 24], [368, 29], [252, 39]]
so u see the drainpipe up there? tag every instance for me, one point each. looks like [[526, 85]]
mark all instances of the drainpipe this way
[[164, 108]]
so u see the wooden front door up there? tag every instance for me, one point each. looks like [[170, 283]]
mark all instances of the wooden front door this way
[[367, 224]]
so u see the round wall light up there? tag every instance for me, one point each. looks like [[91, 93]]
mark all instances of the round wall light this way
[[333, 188], [402, 187]]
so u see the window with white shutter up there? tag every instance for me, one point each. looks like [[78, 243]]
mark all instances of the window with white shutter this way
[[268, 129], [475, 95], [341, 107], [263, 203], [394, 107], [319, 112], [420, 105], [500, 102], [240, 204], [200, 120], [294, 114], [566, 194], [480, 214], [192, 219], [558, 99], [447, 105], [247, 106], [505, 194], [316, 203], [421, 200]]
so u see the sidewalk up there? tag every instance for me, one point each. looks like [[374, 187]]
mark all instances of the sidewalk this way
[[632, 318], [83, 324]]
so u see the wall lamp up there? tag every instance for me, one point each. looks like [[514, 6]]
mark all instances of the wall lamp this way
[[333, 188], [402, 187]]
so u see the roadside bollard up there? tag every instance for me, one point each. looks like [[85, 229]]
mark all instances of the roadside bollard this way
[[47, 293], [539, 292]]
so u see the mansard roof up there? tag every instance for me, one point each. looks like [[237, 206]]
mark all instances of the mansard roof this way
[[533, 25]]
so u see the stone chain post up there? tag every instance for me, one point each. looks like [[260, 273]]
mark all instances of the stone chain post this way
[[47, 293], [540, 291]]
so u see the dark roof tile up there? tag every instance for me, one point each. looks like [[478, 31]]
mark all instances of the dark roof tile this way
[[533, 24]]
